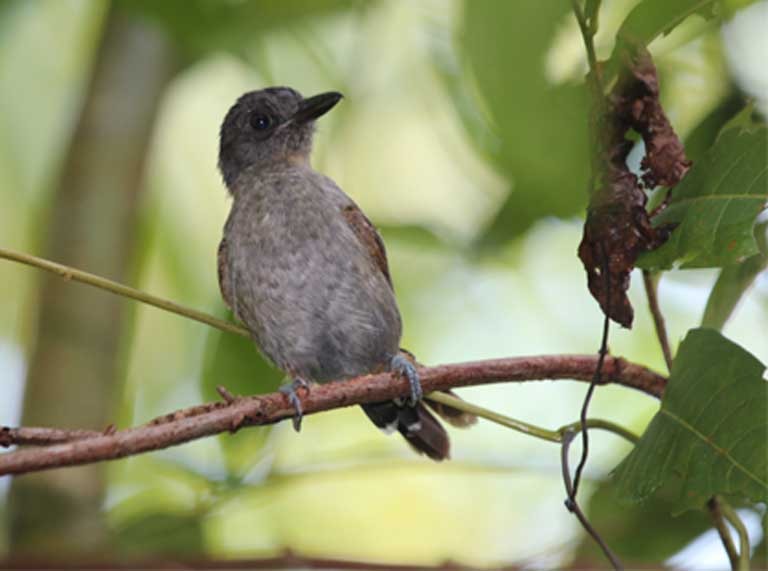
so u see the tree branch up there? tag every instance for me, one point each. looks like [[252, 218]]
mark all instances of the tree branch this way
[[217, 417]]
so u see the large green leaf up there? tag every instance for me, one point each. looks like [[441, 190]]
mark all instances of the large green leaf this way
[[715, 206], [542, 127], [233, 362], [711, 430]]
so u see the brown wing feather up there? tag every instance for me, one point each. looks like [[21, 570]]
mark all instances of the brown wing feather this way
[[224, 282], [367, 234]]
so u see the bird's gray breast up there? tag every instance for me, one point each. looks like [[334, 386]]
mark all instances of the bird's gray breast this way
[[303, 283]]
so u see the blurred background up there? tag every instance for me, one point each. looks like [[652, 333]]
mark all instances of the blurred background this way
[[463, 135]]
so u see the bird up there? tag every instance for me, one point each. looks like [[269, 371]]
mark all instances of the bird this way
[[304, 269]]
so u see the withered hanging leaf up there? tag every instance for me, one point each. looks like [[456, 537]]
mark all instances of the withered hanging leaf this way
[[664, 163], [618, 227]]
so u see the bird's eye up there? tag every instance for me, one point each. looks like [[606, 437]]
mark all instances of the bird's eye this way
[[260, 121]]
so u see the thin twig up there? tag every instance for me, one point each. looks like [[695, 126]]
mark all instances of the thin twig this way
[[713, 505], [588, 27], [69, 273], [217, 417], [588, 31], [573, 506], [734, 519], [596, 378], [650, 281]]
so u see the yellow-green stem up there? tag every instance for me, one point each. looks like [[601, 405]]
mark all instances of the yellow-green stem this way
[[555, 436], [69, 273]]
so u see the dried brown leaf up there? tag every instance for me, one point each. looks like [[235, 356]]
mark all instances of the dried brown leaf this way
[[618, 227]]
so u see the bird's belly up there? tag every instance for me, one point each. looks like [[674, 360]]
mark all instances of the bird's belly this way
[[318, 318]]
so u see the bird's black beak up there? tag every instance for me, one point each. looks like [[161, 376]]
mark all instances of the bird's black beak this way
[[313, 107]]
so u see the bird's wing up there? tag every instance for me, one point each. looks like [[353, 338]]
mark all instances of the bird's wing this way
[[368, 235], [225, 284]]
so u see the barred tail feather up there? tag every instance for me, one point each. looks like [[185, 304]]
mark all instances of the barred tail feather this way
[[419, 427]]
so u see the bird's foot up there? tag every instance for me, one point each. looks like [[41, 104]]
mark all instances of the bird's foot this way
[[400, 365], [290, 390]]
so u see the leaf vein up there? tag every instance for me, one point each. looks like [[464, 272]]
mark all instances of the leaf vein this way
[[714, 446]]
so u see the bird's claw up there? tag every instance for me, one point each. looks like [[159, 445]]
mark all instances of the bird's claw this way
[[290, 391], [402, 366]]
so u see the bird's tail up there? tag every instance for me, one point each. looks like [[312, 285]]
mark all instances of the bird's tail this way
[[419, 426], [452, 416]]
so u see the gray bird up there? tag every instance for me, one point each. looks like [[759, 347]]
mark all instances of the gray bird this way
[[304, 269]]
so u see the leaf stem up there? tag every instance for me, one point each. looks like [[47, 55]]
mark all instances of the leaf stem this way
[[716, 513], [588, 26], [734, 519], [601, 424], [518, 425], [555, 436], [69, 273], [733, 282], [651, 281]]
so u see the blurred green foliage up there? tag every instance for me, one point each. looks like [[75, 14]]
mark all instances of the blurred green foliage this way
[[464, 122], [201, 26], [542, 150], [230, 361]]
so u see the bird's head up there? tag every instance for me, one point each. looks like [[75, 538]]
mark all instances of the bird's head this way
[[269, 126]]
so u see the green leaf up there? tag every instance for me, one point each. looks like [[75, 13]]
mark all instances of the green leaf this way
[[704, 135], [716, 204], [710, 433], [234, 362], [733, 281], [643, 533], [542, 127], [652, 18]]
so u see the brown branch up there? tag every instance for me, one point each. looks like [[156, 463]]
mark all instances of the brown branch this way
[[217, 417], [35, 436]]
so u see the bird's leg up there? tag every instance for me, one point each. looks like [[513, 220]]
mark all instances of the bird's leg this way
[[290, 391], [400, 365]]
